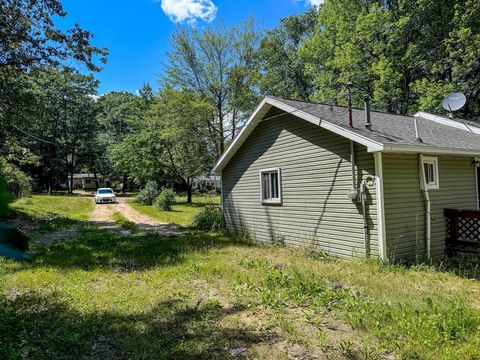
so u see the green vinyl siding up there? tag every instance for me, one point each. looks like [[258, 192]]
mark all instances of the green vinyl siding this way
[[405, 205], [315, 182]]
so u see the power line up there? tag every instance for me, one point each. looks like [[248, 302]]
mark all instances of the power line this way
[[32, 136]]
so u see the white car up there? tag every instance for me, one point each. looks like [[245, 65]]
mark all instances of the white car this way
[[105, 196]]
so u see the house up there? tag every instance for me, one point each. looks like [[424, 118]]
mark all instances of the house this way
[[87, 181], [211, 182], [299, 174]]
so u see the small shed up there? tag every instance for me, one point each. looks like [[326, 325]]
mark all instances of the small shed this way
[[299, 174]]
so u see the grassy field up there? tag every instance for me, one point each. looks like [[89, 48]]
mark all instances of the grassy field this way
[[40, 214], [123, 222], [41, 206], [211, 296], [182, 213]]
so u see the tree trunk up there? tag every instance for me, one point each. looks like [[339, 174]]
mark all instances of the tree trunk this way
[[220, 132], [124, 185], [96, 178], [189, 191], [71, 183]]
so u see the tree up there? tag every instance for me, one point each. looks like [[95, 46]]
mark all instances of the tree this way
[[66, 99], [49, 136], [33, 62], [119, 114], [406, 55], [219, 65], [29, 41], [463, 47], [282, 67], [184, 135], [171, 143], [29, 38]]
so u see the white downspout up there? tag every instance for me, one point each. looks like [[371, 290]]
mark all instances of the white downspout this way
[[363, 195], [352, 162], [426, 196]]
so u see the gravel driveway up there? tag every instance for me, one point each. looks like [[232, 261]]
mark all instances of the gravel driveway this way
[[103, 217]]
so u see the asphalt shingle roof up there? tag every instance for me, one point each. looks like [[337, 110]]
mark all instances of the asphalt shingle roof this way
[[390, 128]]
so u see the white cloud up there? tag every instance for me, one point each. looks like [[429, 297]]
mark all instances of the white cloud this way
[[311, 2], [189, 10]]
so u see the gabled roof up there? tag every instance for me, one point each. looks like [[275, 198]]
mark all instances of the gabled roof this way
[[389, 132]]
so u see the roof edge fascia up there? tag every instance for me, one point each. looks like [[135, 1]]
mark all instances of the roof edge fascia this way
[[261, 110]]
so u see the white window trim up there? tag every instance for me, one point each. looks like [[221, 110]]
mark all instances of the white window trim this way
[[276, 201], [434, 161]]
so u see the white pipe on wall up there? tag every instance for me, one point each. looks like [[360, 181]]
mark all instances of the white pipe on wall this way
[[426, 196], [363, 194], [352, 161]]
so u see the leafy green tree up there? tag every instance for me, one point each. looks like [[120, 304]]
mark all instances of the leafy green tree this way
[[283, 69], [33, 54], [463, 47], [219, 65], [406, 55], [29, 38], [29, 41], [55, 127], [119, 114], [16, 182], [183, 132], [171, 143]]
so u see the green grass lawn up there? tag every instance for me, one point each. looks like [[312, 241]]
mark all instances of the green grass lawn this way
[[41, 206], [123, 222], [182, 213], [208, 296], [40, 214]]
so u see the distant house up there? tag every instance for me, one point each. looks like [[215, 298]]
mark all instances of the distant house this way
[[87, 181], [299, 174], [206, 183]]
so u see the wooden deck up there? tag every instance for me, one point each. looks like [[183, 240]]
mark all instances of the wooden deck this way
[[463, 232]]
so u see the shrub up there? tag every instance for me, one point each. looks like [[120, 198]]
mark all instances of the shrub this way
[[209, 219], [17, 182], [5, 198], [165, 200], [148, 194]]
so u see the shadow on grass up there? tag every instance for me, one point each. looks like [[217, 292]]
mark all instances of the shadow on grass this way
[[36, 326], [96, 248], [39, 224], [192, 205]]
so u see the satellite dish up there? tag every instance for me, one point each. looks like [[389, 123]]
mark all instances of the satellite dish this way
[[454, 102]]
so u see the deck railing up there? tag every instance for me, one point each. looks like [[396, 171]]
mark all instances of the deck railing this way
[[463, 228]]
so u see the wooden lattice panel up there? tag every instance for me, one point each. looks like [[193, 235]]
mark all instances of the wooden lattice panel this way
[[463, 226], [468, 229]]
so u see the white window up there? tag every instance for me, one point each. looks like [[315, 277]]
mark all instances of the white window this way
[[430, 172], [271, 186]]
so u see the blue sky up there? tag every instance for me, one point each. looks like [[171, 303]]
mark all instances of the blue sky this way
[[136, 32]]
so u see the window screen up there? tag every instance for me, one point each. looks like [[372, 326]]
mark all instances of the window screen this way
[[270, 181]]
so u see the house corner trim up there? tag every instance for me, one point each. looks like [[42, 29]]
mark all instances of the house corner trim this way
[[382, 243]]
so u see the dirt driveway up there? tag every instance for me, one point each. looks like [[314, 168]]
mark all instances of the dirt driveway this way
[[103, 217]]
